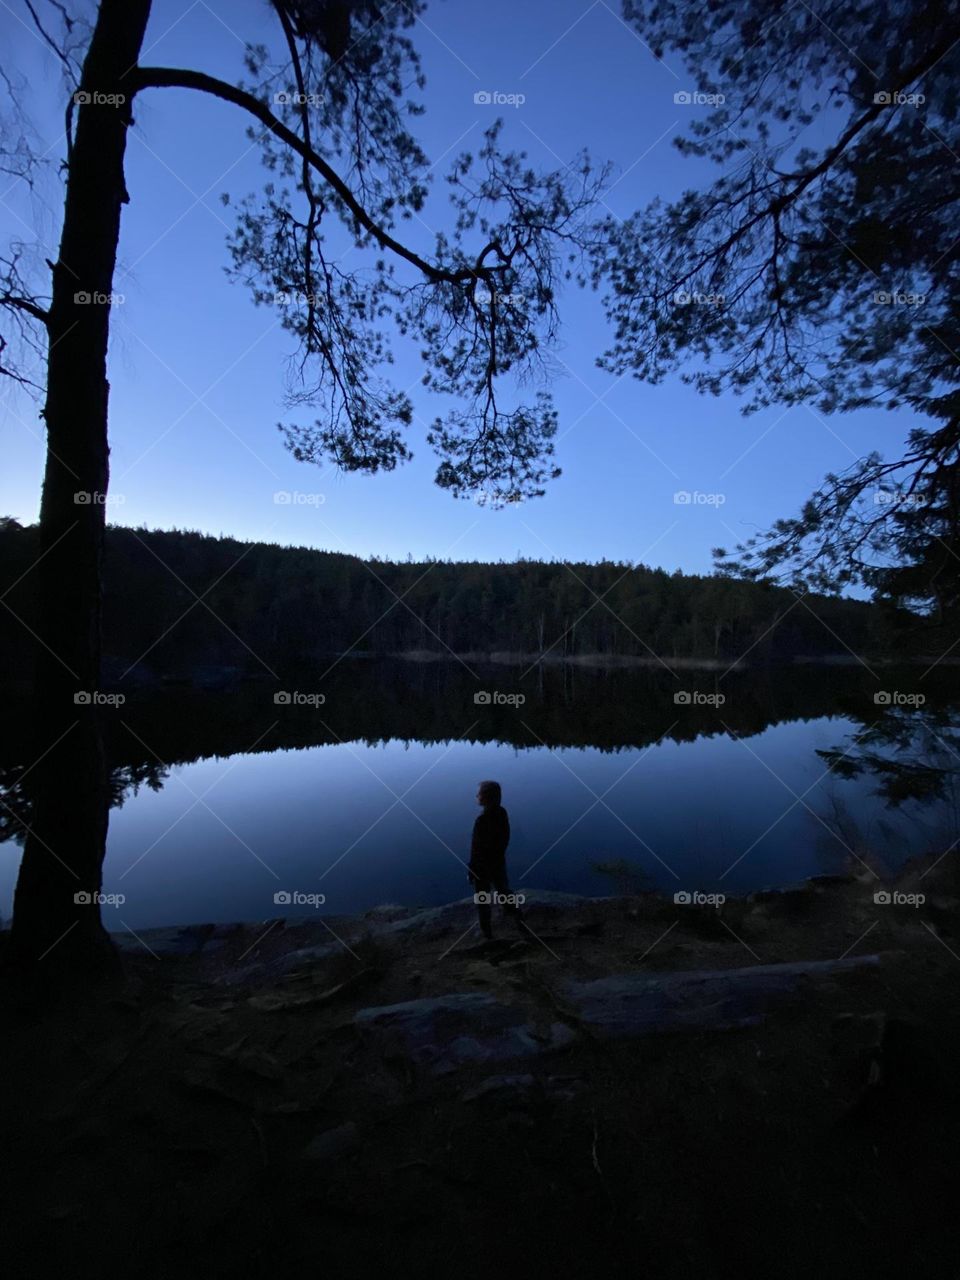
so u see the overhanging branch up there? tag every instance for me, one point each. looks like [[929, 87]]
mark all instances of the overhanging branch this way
[[176, 78]]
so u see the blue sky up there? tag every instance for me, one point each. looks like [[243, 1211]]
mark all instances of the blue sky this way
[[198, 372]]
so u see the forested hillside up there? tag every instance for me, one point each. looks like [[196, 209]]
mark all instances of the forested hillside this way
[[176, 599]]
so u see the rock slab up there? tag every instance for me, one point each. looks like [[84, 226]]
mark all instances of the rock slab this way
[[443, 1033], [697, 1000]]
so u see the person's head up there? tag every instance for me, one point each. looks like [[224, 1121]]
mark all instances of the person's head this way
[[488, 794]]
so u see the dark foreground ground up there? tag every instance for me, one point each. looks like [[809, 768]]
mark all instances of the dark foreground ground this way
[[225, 1112]]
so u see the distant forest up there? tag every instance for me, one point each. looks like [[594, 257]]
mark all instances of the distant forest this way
[[289, 606]]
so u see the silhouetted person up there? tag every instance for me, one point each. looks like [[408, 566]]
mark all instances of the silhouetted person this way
[[488, 856]]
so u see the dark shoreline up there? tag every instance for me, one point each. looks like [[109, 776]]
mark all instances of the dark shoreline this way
[[630, 1068]]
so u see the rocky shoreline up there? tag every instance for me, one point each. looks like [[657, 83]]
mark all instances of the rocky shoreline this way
[[922, 892], [633, 1078]]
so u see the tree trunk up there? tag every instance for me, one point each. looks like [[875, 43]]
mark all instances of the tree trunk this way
[[57, 918]]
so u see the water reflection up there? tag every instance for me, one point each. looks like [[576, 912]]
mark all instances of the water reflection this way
[[363, 789]]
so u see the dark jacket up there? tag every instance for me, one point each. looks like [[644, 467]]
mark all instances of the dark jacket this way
[[491, 835]]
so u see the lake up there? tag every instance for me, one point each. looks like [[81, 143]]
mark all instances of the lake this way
[[358, 788]]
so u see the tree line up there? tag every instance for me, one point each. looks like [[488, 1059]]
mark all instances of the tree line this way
[[178, 600]]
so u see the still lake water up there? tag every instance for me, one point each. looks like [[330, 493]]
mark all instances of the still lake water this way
[[369, 797]]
